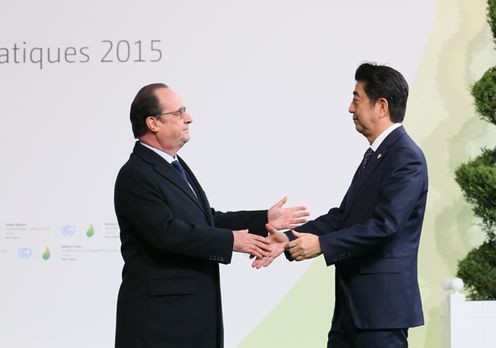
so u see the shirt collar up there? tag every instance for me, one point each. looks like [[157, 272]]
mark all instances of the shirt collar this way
[[161, 153], [378, 141]]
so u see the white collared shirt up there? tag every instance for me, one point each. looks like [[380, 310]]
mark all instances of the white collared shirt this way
[[378, 141], [161, 153]]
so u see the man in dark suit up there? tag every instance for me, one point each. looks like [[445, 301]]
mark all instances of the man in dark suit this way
[[373, 237], [172, 241]]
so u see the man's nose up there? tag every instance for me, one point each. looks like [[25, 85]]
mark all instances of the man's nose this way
[[351, 109]]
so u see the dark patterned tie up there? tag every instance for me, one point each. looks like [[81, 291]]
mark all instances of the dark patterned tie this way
[[366, 157]]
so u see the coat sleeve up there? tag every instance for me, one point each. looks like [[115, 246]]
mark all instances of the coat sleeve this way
[[254, 221]]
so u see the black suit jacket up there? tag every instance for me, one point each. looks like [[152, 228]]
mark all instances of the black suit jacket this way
[[172, 242], [373, 237]]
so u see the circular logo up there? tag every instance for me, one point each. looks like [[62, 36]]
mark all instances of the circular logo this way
[[68, 230], [24, 253]]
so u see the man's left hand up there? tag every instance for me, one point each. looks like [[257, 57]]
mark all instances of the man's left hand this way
[[281, 218]]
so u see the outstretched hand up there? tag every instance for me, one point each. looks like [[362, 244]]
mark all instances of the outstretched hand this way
[[278, 242], [281, 218]]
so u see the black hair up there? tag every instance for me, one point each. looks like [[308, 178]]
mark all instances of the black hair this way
[[145, 104], [381, 81]]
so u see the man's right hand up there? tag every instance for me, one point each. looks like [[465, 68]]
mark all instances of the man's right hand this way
[[278, 241], [252, 244]]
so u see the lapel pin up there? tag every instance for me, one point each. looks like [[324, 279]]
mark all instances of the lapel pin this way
[[379, 156]]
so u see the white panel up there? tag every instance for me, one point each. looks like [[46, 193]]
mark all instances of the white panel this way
[[268, 84]]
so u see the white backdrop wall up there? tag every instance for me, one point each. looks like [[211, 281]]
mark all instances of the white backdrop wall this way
[[268, 84]]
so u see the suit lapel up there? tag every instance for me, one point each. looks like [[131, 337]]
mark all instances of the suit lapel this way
[[162, 167], [169, 173], [199, 191], [360, 179]]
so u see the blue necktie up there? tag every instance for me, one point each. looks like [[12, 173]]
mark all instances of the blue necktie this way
[[177, 166], [366, 157]]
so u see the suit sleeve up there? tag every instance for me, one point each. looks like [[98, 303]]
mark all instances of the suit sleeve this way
[[143, 213], [400, 197], [320, 226], [323, 224], [254, 221]]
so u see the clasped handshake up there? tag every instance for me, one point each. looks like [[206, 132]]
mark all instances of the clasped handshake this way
[[265, 249]]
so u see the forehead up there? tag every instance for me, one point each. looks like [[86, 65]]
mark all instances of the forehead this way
[[359, 91], [168, 99]]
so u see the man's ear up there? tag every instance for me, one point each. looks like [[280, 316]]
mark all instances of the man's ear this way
[[152, 124], [383, 106]]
